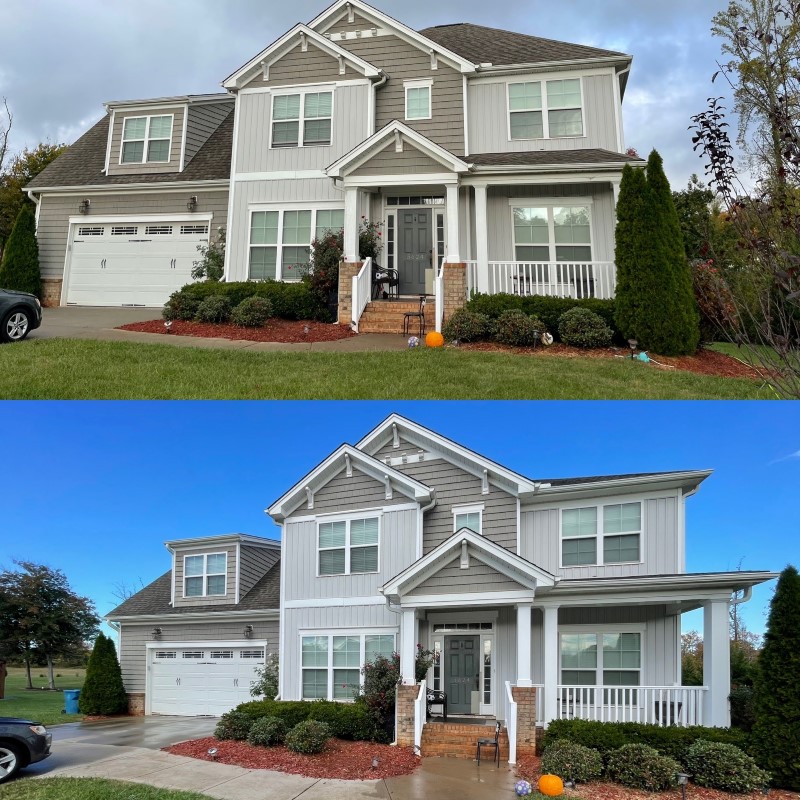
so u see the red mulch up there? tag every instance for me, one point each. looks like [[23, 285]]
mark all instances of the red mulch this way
[[350, 761], [276, 330], [530, 768]]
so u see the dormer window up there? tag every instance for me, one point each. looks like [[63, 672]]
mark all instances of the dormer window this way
[[205, 575], [302, 119], [146, 139]]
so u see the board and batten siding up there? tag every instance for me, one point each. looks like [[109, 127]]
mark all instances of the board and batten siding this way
[[56, 209], [397, 550], [149, 167], [135, 637], [409, 161], [296, 68], [230, 583], [489, 124], [478, 578], [660, 547], [254, 563], [203, 120]]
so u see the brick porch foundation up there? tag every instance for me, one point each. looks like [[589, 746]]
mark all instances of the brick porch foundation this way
[[136, 704], [525, 698], [455, 288], [347, 271], [51, 292], [404, 729]]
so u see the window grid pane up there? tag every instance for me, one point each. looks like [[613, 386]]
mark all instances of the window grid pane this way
[[471, 521], [364, 531], [531, 227], [579, 651], [564, 93], [135, 128], [315, 651], [623, 518], [216, 564], [315, 684], [525, 96], [317, 131], [194, 587], [565, 123], [364, 559], [216, 584], [346, 683], [578, 552], [264, 227], [579, 522], [297, 227], [318, 104], [193, 565], [418, 102], [332, 534], [286, 106], [263, 263], [331, 562], [160, 127], [284, 134], [346, 651], [527, 125], [132, 152], [378, 645], [329, 220], [618, 549]]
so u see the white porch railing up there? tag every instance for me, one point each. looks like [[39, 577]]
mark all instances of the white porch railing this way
[[362, 292], [510, 717], [438, 296], [420, 715], [657, 705], [577, 279]]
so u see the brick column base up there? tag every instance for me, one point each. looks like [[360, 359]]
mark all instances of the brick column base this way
[[455, 288], [51, 292], [404, 728], [347, 271], [136, 704], [525, 698]]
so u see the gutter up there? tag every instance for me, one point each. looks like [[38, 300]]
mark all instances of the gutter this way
[[553, 66], [115, 187]]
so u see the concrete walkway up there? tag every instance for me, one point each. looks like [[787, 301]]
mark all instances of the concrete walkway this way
[[83, 322]]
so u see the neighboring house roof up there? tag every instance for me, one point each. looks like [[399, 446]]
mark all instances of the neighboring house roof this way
[[553, 158], [83, 162], [483, 45], [154, 599]]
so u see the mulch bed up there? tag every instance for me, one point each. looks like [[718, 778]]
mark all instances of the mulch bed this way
[[342, 760], [276, 330]]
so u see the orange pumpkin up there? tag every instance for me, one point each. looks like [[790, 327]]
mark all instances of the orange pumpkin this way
[[551, 785], [434, 339]]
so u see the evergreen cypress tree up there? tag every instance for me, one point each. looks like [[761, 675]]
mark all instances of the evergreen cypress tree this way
[[776, 733], [20, 267], [103, 691]]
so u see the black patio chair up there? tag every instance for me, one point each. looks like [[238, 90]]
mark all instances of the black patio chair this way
[[487, 742], [384, 282], [412, 315], [437, 698]]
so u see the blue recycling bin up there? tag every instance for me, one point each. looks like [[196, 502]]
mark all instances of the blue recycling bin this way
[[71, 701]]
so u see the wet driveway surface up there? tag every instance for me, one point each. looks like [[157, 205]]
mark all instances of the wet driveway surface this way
[[150, 732]]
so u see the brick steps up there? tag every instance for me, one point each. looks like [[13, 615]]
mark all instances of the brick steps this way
[[386, 316], [453, 740]]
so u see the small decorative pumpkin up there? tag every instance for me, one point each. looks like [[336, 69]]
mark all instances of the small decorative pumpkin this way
[[551, 785], [434, 339]]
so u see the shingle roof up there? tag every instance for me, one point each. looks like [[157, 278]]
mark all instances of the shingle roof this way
[[155, 598], [544, 158], [601, 478], [483, 45], [83, 162]]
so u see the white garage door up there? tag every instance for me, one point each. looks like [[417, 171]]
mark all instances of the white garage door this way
[[132, 263], [196, 681]]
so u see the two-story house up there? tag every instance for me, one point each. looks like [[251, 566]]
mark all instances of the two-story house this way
[[562, 594], [492, 160]]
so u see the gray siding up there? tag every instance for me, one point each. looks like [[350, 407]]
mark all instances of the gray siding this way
[[174, 164], [478, 579], [254, 563], [389, 162], [488, 118], [56, 210], [297, 67], [204, 119], [133, 655], [230, 585]]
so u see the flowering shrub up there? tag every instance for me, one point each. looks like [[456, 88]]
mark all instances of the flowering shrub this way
[[370, 239], [714, 299]]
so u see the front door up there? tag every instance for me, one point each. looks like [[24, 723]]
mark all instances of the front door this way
[[463, 672], [415, 249]]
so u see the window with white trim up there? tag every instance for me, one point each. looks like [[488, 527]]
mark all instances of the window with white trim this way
[[302, 120], [251, 654], [598, 535], [554, 112], [205, 575], [331, 664], [470, 517], [548, 234], [418, 99], [612, 659], [348, 546], [146, 139]]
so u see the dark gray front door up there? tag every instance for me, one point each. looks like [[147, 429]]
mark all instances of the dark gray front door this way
[[415, 250], [463, 672]]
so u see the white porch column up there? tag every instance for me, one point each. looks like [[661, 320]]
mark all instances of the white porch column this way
[[481, 239], [524, 644], [452, 225], [716, 663], [550, 659], [351, 224], [408, 646]]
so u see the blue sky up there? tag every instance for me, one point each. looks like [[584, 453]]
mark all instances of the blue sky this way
[[96, 488]]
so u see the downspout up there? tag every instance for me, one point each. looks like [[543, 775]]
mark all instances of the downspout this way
[[375, 86], [748, 593], [37, 201]]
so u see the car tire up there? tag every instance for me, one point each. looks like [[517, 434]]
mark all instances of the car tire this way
[[16, 325], [10, 761]]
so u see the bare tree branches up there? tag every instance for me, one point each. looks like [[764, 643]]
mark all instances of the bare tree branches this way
[[5, 131]]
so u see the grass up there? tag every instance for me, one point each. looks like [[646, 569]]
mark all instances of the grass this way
[[89, 789], [84, 369], [44, 707]]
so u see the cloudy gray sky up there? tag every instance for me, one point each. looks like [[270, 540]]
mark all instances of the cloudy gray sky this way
[[61, 59]]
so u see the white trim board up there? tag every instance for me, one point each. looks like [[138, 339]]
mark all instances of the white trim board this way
[[90, 219], [335, 602]]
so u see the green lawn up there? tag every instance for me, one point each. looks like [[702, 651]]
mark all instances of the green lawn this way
[[89, 789], [40, 706], [74, 369]]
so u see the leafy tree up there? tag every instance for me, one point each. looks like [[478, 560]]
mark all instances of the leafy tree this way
[[211, 265], [776, 734], [19, 268], [268, 675], [691, 659], [694, 208], [103, 692]]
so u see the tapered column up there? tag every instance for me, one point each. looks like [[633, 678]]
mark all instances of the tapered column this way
[[716, 663], [408, 646], [481, 239], [452, 224], [524, 645], [550, 659]]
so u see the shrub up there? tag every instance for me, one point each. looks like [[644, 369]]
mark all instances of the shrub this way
[[308, 737], [267, 683], [642, 767], [234, 725], [725, 767], [252, 312], [103, 691], [211, 265], [600, 736], [493, 305], [215, 308], [467, 326], [518, 329], [580, 327], [267, 731], [291, 712], [19, 269], [571, 761], [181, 306], [743, 712]]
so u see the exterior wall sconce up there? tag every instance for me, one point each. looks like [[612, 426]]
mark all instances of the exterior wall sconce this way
[[84, 205], [156, 633], [248, 631], [192, 204]]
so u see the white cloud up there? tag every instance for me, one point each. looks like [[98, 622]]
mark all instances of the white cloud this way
[[791, 456]]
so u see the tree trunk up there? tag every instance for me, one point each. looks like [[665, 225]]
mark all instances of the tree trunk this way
[[51, 679], [28, 669]]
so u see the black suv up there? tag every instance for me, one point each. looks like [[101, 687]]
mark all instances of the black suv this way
[[20, 313], [22, 742]]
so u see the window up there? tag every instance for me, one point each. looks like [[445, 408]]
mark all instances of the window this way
[[191, 229], [222, 654], [621, 534], [348, 546], [162, 654], [331, 664], [124, 230], [536, 114], [418, 99], [330, 220], [468, 517], [552, 234], [309, 112], [251, 654], [158, 230], [601, 659], [205, 575], [96, 231], [192, 654], [146, 139]]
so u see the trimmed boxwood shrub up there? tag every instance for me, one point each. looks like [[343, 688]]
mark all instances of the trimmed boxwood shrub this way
[[308, 737], [580, 327], [252, 312], [267, 731], [572, 762], [642, 767], [234, 725], [214, 308], [518, 329], [467, 326], [725, 767], [181, 306]]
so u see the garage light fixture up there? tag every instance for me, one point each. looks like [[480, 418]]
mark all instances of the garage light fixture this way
[[156, 633], [248, 631], [192, 204], [84, 205]]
